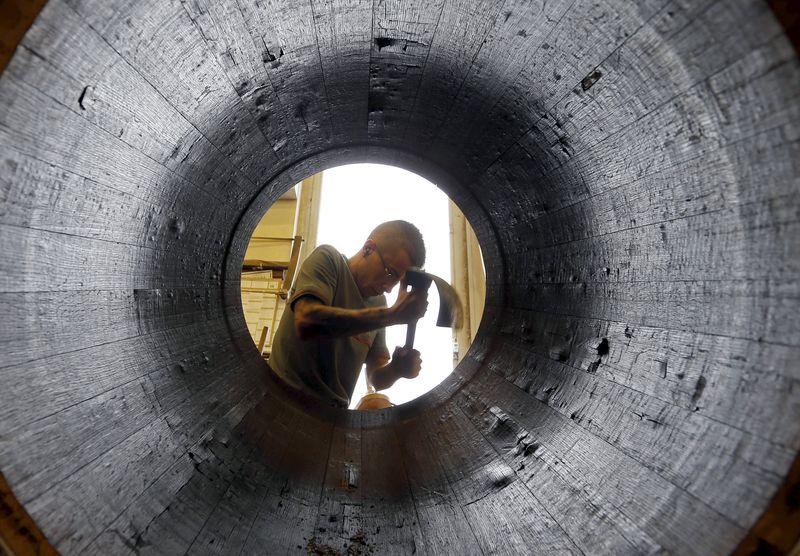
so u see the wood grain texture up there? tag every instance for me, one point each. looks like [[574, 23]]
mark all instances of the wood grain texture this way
[[631, 171]]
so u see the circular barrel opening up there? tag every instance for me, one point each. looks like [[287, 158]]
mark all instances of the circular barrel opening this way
[[340, 207]]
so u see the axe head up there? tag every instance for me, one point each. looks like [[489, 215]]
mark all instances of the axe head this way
[[418, 279], [450, 311]]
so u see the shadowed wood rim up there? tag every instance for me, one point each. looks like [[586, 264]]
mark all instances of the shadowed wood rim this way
[[777, 531], [16, 17], [787, 12], [19, 534]]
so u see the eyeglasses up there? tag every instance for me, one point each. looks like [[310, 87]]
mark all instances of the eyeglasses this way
[[391, 274]]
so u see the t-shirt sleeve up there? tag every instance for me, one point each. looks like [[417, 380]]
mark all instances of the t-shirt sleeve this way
[[317, 276]]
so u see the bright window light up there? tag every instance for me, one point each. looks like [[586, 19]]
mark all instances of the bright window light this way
[[354, 200]]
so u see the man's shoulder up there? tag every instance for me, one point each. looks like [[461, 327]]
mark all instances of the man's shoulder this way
[[325, 256], [319, 275], [326, 251]]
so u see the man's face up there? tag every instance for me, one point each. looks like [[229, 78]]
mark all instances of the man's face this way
[[384, 270]]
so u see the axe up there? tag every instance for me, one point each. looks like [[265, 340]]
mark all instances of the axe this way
[[450, 312], [450, 315]]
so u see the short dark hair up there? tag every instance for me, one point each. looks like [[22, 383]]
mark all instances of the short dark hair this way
[[404, 235]]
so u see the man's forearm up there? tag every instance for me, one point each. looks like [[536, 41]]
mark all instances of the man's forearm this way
[[315, 320], [383, 377]]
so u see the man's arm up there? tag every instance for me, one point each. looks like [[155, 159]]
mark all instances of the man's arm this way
[[313, 319], [377, 358]]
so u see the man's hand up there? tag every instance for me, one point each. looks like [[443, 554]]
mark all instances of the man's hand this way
[[410, 305], [405, 363]]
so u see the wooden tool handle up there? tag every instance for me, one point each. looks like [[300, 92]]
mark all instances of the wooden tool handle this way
[[410, 332]]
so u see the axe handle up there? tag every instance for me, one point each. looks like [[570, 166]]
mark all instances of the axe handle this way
[[410, 333]]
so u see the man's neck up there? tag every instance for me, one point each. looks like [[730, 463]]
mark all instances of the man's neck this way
[[354, 265]]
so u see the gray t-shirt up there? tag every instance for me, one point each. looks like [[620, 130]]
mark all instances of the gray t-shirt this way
[[325, 368]]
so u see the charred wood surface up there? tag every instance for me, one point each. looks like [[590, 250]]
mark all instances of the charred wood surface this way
[[632, 171]]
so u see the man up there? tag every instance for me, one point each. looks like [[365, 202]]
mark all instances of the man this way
[[335, 317]]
